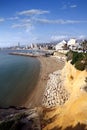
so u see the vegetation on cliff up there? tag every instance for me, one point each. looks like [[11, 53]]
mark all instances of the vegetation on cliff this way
[[79, 59], [84, 45]]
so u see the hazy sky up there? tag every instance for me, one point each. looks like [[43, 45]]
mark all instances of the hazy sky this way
[[27, 21]]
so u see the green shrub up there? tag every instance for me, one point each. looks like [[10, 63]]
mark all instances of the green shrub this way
[[79, 65], [78, 59]]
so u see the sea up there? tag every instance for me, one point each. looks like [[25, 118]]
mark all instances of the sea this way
[[18, 78]]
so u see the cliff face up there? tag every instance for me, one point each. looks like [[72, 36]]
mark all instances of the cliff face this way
[[73, 114], [73, 78]]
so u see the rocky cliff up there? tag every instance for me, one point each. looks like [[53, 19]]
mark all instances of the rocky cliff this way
[[73, 113]]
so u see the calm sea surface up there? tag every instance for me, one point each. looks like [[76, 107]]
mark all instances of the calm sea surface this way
[[18, 77]]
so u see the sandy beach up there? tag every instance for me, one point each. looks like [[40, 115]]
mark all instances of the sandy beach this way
[[47, 66]]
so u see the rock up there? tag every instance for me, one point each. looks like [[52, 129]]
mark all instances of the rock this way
[[55, 93]]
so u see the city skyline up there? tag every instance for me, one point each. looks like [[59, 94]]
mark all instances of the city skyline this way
[[33, 21]]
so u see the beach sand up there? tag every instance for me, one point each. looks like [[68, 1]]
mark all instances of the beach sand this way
[[47, 66]]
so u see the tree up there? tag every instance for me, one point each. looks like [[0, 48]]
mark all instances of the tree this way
[[84, 45]]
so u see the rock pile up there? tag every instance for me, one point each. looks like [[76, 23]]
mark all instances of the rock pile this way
[[55, 93]]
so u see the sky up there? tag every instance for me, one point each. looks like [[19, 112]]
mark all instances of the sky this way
[[36, 21]]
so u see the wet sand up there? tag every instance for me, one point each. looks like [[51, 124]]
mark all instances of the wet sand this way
[[47, 66]]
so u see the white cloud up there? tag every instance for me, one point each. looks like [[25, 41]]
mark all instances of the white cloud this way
[[68, 6], [33, 12], [13, 18], [73, 6], [44, 21], [82, 37], [29, 24], [59, 21], [24, 25], [59, 37], [26, 20], [2, 19]]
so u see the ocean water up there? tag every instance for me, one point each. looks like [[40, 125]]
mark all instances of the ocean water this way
[[18, 77]]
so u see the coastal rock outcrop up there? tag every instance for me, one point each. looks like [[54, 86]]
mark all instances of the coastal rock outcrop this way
[[14, 118]]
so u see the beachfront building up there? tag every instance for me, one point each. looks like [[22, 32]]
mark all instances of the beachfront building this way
[[72, 44], [60, 45], [32, 46]]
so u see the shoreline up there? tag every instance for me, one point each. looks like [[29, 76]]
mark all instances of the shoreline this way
[[47, 65]]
